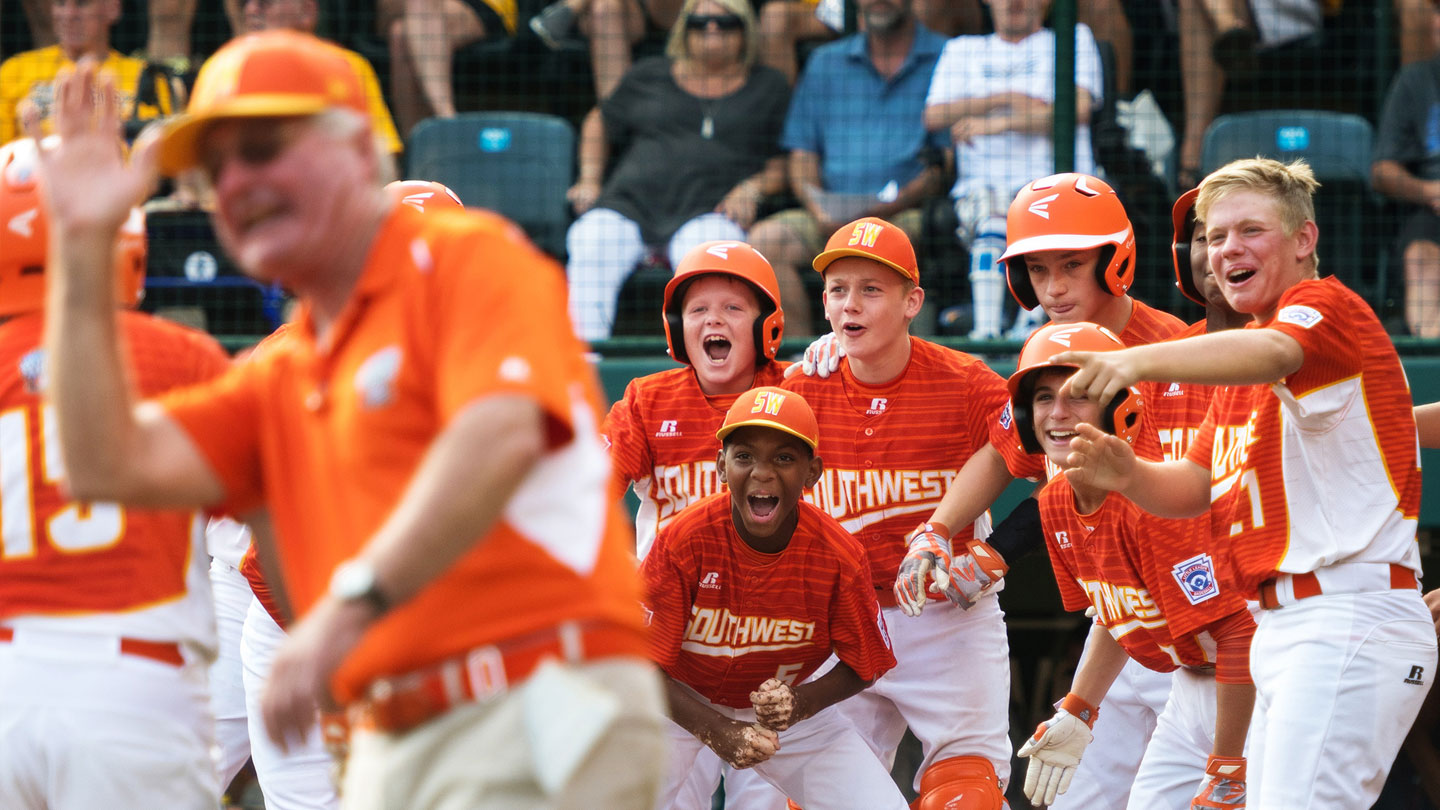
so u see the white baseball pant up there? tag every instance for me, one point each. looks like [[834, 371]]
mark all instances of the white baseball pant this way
[[83, 725], [822, 764], [1127, 719], [951, 685], [1338, 679]]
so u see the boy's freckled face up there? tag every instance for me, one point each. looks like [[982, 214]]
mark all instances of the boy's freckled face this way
[[767, 471], [1055, 417], [718, 316]]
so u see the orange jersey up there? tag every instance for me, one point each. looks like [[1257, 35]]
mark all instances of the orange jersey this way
[[1146, 325], [1177, 409], [891, 450], [1154, 585], [662, 439], [1322, 467], [97, 567], [327, 437], [725, 618]]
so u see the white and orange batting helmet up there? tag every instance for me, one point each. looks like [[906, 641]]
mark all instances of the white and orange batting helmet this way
[[23, 239], [425, 195], [1120, 417], [728, 258], [1069, 212]]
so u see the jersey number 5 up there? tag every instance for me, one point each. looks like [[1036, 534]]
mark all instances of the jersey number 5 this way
[[74, 527]]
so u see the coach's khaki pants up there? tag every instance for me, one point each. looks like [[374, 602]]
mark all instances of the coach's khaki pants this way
[[485, 756]]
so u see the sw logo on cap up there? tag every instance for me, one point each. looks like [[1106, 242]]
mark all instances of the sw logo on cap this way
[[865, 234]]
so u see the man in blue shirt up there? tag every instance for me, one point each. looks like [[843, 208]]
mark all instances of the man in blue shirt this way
[[857, 144]]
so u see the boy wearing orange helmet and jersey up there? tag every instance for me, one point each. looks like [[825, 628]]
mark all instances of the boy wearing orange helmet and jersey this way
[[106, 624], [723, 321], [750, 592], [1159, 596], [1072, 252]]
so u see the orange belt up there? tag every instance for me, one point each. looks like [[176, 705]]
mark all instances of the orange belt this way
[[1308, 585], [166, 652], [401, 702]]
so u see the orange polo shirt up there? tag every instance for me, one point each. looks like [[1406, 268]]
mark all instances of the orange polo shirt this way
[[450, 309]]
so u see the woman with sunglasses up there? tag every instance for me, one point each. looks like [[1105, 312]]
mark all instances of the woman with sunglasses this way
[[695, 140]]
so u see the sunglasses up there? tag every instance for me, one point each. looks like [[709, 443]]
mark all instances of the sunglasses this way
[[724, 22], [254, 146]]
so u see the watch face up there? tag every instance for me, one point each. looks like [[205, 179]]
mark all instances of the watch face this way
[[352, 580]]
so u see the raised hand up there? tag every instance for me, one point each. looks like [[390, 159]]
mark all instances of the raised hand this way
[[87, 183], [1100, 459]]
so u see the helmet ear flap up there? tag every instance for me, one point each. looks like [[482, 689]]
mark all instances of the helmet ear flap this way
[[1022, 410], [1122, 415], [1110, 273], [1017, 276]]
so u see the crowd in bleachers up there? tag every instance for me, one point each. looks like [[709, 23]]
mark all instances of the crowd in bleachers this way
[[765, 120]]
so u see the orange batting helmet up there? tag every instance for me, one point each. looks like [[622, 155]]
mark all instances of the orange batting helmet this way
[[1183, 217], [732, 259], [22, 240], [1120, 417], [1069, 212], [425, 195]]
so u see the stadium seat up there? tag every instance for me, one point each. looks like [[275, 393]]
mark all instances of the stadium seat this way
[[186, 269], [1337, 147], [517, 163]]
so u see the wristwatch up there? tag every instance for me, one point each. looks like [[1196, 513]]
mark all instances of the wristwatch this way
[[354, 580]]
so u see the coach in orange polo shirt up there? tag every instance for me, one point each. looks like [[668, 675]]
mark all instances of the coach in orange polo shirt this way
[[425, 444]]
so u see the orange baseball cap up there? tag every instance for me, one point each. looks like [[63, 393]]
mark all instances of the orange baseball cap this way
[[271, 73], [773, 407], [872, 238]]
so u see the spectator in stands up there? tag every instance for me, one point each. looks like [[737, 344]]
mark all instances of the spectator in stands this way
[[82, 27], [784, 23], [856, 142], [1219, 41], [1406, 168], [304, 16], [995, 96], [696, 136], [1416, 42], [168, 39], [611, 26], [423, 36]]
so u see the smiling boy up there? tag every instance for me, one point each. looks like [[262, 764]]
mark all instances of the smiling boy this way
[[898, 419], [1158, 597], [1309, 448], [749, 592]]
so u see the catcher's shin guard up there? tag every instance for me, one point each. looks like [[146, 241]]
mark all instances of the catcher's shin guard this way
[[960, 783]]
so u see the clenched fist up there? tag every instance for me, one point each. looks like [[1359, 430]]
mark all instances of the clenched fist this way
[[774, 704]]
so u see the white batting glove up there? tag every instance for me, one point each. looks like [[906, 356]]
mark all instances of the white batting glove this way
[[927, 558], [974, 572], [821, 358], [1055, 750], [1226, 788]]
